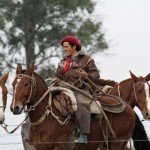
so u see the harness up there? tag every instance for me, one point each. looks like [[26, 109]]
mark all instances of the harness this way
[[48, 107]]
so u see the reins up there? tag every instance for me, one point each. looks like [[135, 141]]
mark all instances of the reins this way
[[4, 126]]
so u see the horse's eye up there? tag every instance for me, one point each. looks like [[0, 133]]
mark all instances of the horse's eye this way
[[26, 84]]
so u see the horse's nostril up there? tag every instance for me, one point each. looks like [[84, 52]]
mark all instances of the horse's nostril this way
[[16, 108]]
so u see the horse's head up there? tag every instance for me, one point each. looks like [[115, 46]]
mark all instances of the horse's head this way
[[23, 88], [3, 96], [142, 93]]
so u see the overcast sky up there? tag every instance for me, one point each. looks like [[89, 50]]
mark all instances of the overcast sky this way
[[126, 23]]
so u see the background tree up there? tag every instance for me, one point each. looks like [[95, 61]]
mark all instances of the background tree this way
[[32, 29]]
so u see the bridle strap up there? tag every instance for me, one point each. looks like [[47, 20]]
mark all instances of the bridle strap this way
[[136, 94], [20, 76], [32, 107], [50, 110], [33, 83], [118, 87]]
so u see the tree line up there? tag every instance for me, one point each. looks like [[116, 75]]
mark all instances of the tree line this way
[[31, 31]]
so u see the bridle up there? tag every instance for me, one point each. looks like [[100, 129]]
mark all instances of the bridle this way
[[135, 94], [33, 85], [134, 89]]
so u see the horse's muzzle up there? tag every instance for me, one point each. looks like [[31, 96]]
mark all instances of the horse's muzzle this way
[[16, 110], [2, 121]]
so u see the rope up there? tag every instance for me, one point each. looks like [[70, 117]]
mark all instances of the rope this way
[[4, 126]]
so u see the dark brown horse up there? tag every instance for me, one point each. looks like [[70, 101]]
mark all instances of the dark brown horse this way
[[136, 92], [3, 96], [48, 134]]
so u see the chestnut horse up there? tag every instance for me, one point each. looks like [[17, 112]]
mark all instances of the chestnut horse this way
[[136, 92], [3, 96], [48, 134]]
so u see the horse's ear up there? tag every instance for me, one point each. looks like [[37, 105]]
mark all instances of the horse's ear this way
[[31, 69], [19, 69], [147, 78], [5, 77], [134, 78]]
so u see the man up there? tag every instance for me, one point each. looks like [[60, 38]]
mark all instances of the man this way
[[74, 60], [74, 65]]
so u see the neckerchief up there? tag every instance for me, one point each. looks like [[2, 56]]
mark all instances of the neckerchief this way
[[67, 64]]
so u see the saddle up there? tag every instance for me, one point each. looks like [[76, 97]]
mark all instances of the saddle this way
[[66, 101]]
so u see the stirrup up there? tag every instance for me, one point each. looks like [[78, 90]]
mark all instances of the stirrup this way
[[82, 139]]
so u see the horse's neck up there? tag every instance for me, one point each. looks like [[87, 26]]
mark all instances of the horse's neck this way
[[125, 91]]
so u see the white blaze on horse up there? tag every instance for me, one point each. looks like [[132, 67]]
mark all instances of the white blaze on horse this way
[[147, 91], [3, 96]]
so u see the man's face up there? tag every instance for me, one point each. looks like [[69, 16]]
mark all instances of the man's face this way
[[68, 49]]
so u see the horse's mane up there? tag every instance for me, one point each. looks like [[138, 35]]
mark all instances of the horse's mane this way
[[37, 75], [126, 84], [126, 81]]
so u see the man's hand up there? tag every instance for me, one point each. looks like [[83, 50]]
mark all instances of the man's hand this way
[[82, 73]]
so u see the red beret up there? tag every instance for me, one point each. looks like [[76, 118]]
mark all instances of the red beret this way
[[71, 39]]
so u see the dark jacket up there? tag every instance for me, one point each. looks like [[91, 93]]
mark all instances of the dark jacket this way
[[85, 62], [82, 61]]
